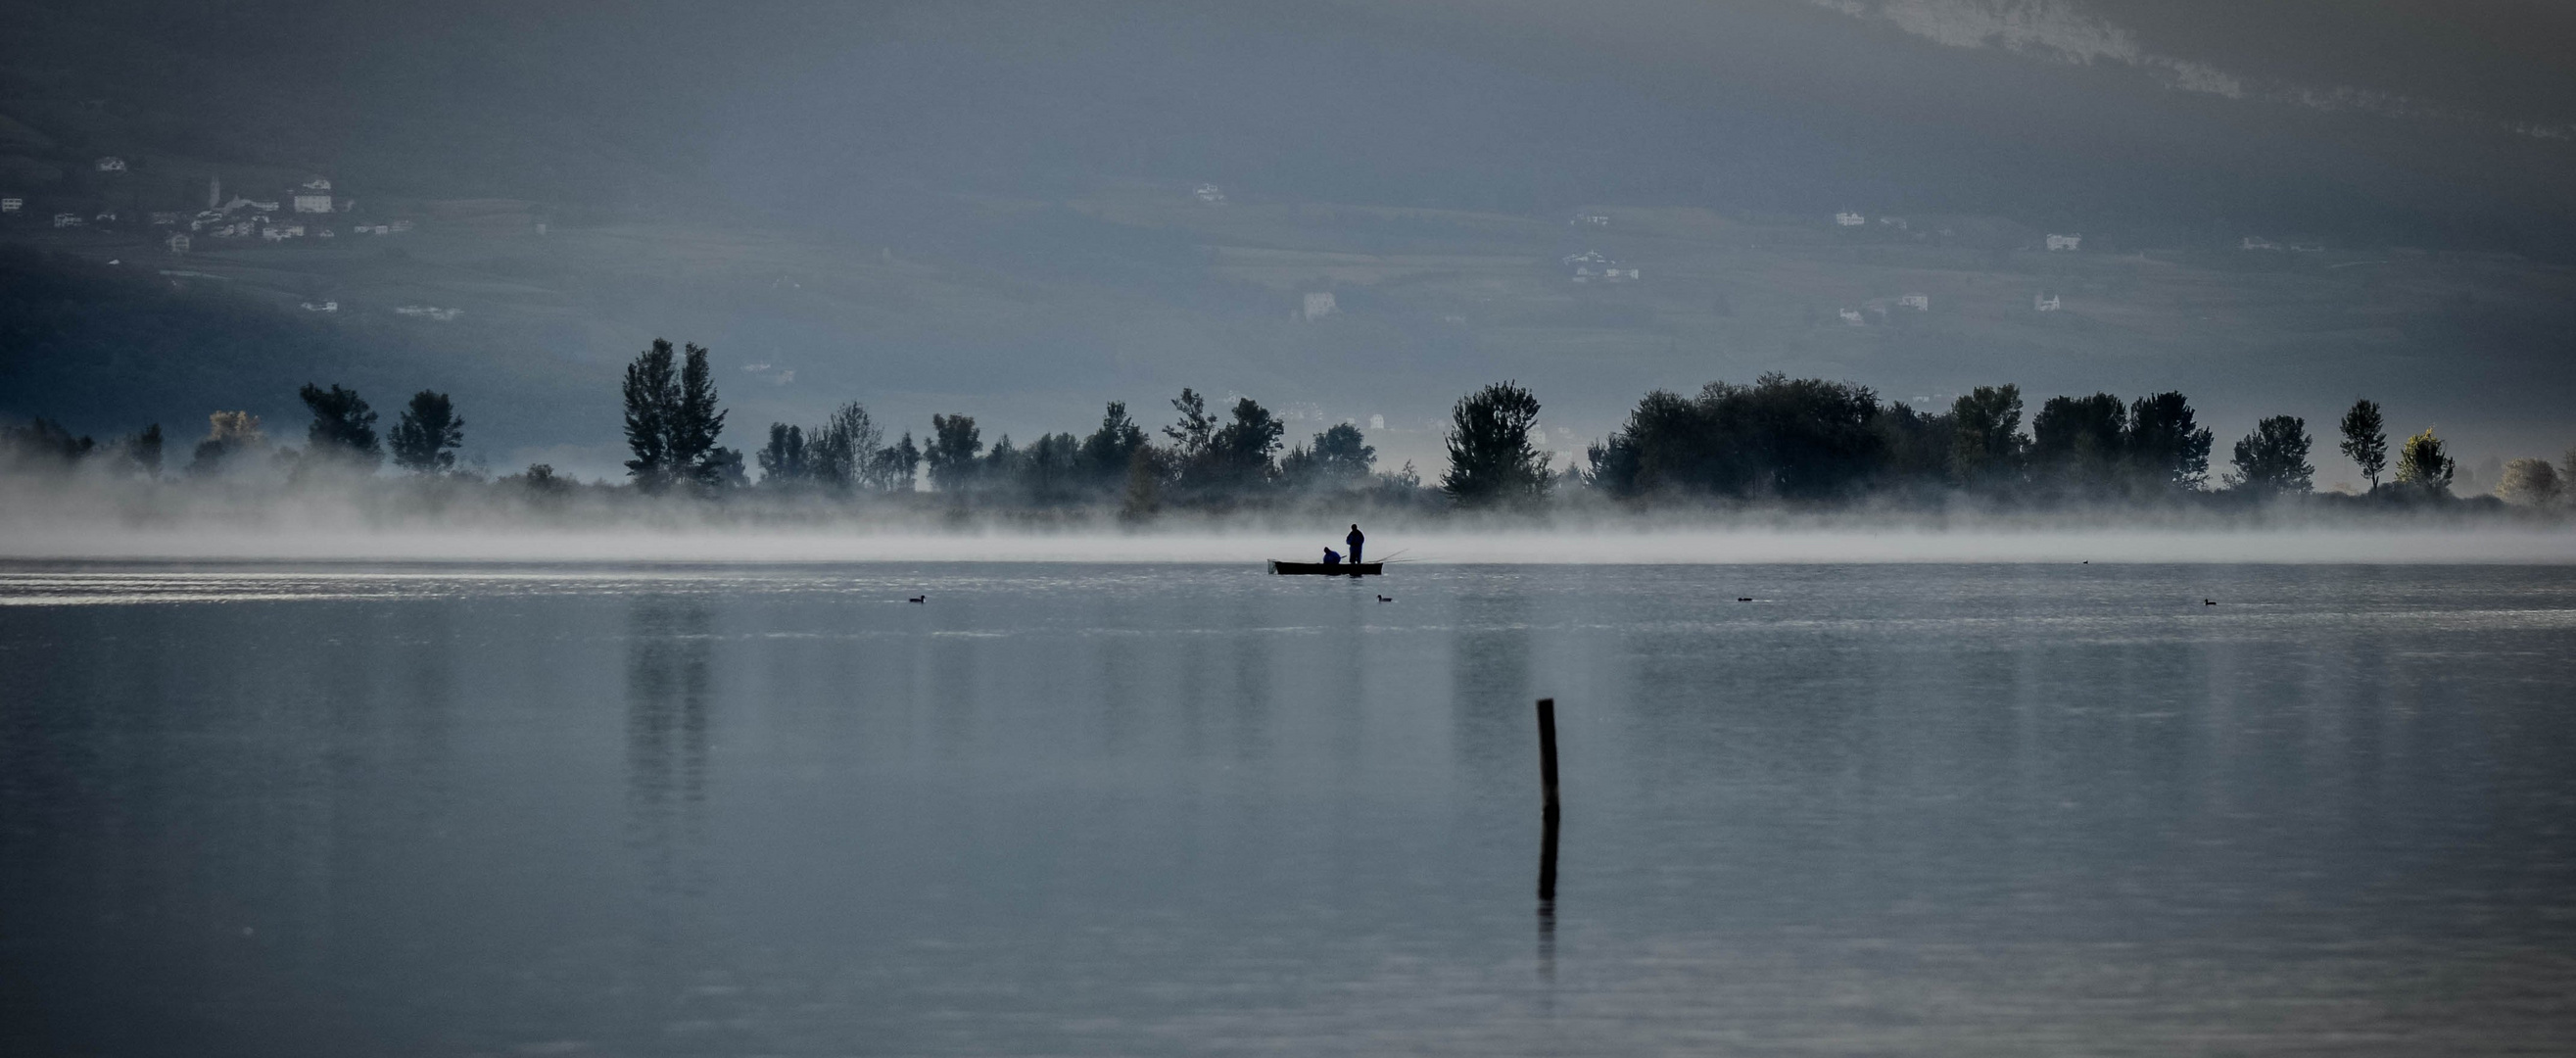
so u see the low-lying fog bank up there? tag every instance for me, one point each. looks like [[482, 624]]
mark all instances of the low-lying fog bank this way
[[61, 521], [1993, 543]]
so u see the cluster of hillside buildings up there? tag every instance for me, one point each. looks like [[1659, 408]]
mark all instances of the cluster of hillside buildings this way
[[1592, 265], [299, 213], [2257, 242], [306, 210], [1861, 219], [2069, 243], [1881, 307]]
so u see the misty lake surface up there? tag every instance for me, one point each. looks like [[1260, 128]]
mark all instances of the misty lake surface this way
[[1880, 809]]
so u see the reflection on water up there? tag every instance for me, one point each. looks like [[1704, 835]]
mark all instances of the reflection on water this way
[[1971, 810], [669, 646]]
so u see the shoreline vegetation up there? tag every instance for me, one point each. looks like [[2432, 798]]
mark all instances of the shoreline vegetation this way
[[1776, 455]]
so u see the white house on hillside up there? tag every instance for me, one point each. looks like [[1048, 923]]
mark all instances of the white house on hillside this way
[[2065, 242], [12, 204], [1917, 302], [1319, 306], [2044, 303], [313, 197], [1850, 219], [111, 164], [2257, 242]]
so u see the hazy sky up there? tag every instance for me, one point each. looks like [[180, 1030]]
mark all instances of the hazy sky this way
[[979, 141]]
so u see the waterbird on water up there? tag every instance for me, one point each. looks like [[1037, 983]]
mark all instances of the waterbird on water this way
[[918, 598], [1382, 598], [2209, 602], [1744, 598]]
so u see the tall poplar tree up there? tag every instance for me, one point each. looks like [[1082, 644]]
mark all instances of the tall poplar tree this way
[[1491, 458], [672, 421], [652, 392], [2365, 440], [425, 439]]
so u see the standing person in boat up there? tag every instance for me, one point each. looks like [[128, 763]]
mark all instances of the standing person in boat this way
[[1356, 539]]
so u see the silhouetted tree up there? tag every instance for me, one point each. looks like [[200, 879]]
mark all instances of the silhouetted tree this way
[[1779, 437], [950, 457], [782, 460], [652, 393], [2530, 482], [228, 435], [1242, 448], [1990, 443], [1212, 458], [1144, 491], [896, 464], [1491, 459], [1193, 436], [1797, 438], [2274, 458], [343, 427], [1001, 466], [1339, 458], [840, 453], [144, 450], [1108, 451], [696, 424], [539, 480], [44, 443], [2079, 442], [1663, 447], [723, 469], [1050, 469], [2167, 446], [1918, 446], [425, 439], [2365, 440], [672, 422], [2426, 464]]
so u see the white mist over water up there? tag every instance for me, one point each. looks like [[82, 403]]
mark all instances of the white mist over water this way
[[2002, 543], [67, 519]]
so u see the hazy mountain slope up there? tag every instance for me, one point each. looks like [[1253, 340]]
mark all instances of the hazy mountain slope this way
[[988, 207]]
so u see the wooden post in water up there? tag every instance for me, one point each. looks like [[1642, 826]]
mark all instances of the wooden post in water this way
[[1547, 753], [1549, 818]]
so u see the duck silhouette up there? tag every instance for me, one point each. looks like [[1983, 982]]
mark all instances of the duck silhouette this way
[[2209, 602], [1382, 598], [1744, 598], [918, 598]]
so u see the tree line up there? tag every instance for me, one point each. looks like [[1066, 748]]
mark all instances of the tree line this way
[[1810, 439], [1776, 439]]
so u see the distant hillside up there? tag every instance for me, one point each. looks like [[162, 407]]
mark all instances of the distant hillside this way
[[1019, 210], [108, 349]]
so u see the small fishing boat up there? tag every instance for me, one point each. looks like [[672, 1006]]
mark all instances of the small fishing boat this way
[[1337, 569]]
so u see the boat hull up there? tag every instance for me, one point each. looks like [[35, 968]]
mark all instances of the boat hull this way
[[1338, 569]]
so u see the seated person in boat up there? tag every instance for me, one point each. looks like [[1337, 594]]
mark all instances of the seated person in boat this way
[[1332, 557]]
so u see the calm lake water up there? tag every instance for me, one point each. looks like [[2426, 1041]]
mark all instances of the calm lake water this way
[[1982, 810]]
